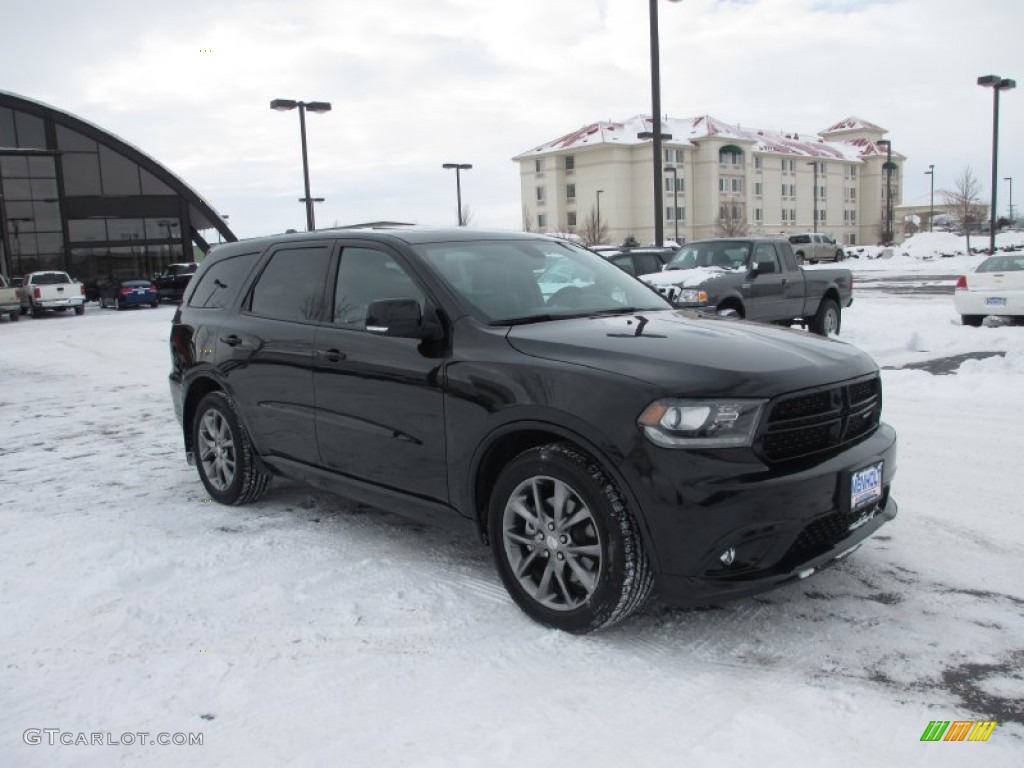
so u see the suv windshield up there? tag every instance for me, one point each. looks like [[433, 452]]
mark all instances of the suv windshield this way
[[522, 281], [725, 254]]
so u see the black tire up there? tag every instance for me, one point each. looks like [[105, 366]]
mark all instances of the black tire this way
[[15, 316], [972, 320], [117, 304], [36, 311], [609, 576], [828, 319], [80, 309], [24, 310], [224, 453]]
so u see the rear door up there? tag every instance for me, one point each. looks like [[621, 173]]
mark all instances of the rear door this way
[[379, 399]]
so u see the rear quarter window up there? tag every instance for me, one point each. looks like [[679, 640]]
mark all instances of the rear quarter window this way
[[219, 285]]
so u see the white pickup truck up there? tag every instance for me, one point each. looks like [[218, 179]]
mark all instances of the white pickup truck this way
[[10, 300], [51, 290]]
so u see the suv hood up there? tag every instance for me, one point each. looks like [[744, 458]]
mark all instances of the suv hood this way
[[696, 355]]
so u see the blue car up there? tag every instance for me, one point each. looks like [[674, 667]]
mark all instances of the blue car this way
[[128, 292]]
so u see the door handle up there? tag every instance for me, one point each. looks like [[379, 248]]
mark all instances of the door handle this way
[[331, 355], [232, 340]]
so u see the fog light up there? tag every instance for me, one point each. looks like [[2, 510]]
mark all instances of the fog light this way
[[728, 556]]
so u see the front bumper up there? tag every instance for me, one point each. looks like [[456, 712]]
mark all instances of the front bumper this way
[[782, 525]]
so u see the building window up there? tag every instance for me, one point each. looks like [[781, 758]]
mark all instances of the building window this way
[[540, 194], [679, 213], [570, 191], [680, 185], [737, 185], [730, 155], [789, 190], [758, 215], [673, 156], [785, 215], [822, 218], [822, 193], [758, 163], [758, 188], [851, 239], [542, 220], [850, 172], [570, 163], [792, 214], [723, 184], [571, 218], [851, 194], [538, 165], [789, 166]]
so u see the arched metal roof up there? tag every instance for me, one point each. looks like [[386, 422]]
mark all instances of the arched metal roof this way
[[201, 213]]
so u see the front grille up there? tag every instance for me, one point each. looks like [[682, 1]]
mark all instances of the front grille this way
[[823, 420], [824, 533]]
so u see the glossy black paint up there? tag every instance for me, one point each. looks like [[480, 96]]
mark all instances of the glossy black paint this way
[[423, 426]]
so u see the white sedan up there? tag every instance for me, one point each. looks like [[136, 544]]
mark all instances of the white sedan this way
[[996, 287]]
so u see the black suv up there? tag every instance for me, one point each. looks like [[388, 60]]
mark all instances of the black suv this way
[[598, 439]]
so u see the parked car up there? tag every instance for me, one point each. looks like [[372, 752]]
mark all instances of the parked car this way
[[51, 290], [121, 293], [996, 287], [641, 261], [599, 440], [173, 281], [757, 279], [812, 247], [10, 300]]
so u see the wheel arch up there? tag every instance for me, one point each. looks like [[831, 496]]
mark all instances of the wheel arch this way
[[510, 440], [198, 388], [732, 301]]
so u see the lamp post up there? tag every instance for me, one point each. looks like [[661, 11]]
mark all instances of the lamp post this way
[[284, 105], [458, 183], [931, 200], [655, 133], [888, 188], [997, 84], [815, 164], [1010, 179], [675, 198], [598, 233]]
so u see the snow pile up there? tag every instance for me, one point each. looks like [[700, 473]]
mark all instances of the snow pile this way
[[687, 278], [929, 245]]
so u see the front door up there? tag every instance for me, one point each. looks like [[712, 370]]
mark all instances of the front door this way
[[379, 399]]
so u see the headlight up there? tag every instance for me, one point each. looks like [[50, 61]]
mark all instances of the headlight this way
[[691, 296], [722, 423]]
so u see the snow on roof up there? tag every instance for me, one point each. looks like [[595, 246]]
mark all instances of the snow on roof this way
[[687, 131], [852, 123]]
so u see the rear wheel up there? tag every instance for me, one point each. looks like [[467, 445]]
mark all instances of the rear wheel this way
[[15, 316], [972, 320], [827, 320], [37, 311], [80, 309], [224, 454], [117, 304], [566, 547]]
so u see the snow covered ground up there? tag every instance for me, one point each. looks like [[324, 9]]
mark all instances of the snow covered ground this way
[[306, 630]]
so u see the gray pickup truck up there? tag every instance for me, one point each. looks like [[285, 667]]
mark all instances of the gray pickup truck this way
[[757, 279]]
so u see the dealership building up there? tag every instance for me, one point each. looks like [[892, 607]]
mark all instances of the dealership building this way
[[77, 198]]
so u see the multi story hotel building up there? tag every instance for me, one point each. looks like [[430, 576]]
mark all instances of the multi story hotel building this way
[[718, 179]]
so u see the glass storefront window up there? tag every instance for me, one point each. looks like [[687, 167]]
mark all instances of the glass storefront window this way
[[7, 138], [41, 167], [14, 166], [81, 174], [125, 229], [120, 175], [69, 140], [163, 229], [43, 189], [151, 185], [31, 134], [47, 216], [17, 189], [87, 229]]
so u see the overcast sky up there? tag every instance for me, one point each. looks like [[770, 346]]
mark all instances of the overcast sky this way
[[415, 83]]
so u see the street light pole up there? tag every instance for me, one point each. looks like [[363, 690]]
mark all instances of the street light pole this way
[[598, 233], [458, 184], [815, 164], [655, 132], [1010, 179], [284, 105], [888, 189], [997, 84], [931, 200], [675, 198]]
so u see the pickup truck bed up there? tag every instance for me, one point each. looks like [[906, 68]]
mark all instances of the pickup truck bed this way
[[757, 279]]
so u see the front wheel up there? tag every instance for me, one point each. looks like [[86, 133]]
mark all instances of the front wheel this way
[[827, 320], [224, 454], [566, 547]]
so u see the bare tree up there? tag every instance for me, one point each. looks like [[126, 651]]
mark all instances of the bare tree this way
[[732, 221], [594, 231], [467, 215], [962, 198], [527, 221]]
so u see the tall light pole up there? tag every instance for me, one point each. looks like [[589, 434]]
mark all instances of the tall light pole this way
[[1010, 179], [598, 233], [815, 164], [458, 184], [655, 132], [888, 189], [675, 198], [931, 199], [997, 84], [284, 105]]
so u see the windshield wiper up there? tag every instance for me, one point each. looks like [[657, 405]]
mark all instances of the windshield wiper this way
[[527, 319]]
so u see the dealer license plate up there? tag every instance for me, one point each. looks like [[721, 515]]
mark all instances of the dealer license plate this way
[[866, 486], [995, 301], [140, 291]]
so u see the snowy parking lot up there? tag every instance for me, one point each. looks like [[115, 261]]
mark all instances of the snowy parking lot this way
[[309, 630]]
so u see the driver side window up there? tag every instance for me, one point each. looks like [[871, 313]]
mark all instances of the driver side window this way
[[766, 259], [366, 275]]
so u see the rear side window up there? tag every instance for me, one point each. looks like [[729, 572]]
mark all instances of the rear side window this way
[[291, 286], [625, 263], [221, 282]]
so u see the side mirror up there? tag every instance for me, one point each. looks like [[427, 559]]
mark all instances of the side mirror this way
[[762, 268], [400, 317]]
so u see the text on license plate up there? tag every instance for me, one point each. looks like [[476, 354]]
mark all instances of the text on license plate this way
[[995, 301], [866, 486], [140, 290]]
